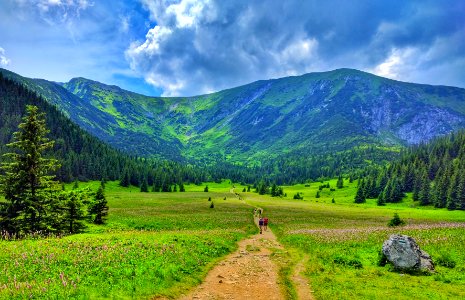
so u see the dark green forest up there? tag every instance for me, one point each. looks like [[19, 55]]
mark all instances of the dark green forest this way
[[433, 172]]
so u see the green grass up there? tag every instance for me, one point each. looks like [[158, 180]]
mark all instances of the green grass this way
[[155, 244], [343, 239], [161, 244]]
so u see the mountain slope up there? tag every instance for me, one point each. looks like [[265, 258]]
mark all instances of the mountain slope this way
[[309, 114]]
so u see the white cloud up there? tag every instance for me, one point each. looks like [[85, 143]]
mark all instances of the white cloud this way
[[55, 11], [202, 46], [399, 64], [4, 61]]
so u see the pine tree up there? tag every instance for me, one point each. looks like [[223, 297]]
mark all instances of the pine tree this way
[[75, 213], [340, 182], [144, 188], [30, 192], [181, 187], [124, 181], [360, 196], [452, 193], [206, 189], [381, 199], [461, 187], [424, 192], [99, 208]]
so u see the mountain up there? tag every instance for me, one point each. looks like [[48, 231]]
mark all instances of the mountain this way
[[81, 155], [312, 114]]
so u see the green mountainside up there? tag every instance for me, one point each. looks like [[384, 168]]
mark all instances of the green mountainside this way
[[312, 114], [81, 155]]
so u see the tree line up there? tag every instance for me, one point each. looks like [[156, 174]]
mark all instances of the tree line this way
[[433, 172]]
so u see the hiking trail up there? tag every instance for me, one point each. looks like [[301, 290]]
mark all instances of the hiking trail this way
[[250, 273]]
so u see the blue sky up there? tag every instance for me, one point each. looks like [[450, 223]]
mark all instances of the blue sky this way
[[187, 47]]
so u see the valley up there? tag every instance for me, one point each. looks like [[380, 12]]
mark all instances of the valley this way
[[164, 244]]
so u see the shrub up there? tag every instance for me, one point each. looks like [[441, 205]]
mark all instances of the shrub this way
[[212, 205], [396, 221], [348, 262], [445, 260], [298, 196]]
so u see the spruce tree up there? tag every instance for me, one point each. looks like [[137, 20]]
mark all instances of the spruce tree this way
[[29, 190], [181, 187], [124, 181], [99, 208], [340, 182], [75, 213], [360, 196], [424, 192], [144, 188], [381, 199]]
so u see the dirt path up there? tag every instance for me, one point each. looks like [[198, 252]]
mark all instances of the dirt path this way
[[300, 282], [248, 273]]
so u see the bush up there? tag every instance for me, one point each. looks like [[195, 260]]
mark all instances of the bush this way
[[348, 262], [212, 205], [445, 260], [396, 221], [298, 196]]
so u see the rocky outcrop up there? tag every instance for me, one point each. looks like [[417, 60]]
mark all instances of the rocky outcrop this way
[[405, 255]]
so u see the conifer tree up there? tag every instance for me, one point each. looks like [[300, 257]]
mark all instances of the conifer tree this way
[[360, 196], [124, 181], [75, 213], [381, 199], [99, 208], [181, 187], [144, 188], [340, 182], [424, 192], [29, 189]]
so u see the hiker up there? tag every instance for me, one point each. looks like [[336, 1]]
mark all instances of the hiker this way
[[265, 223], [260, 224]]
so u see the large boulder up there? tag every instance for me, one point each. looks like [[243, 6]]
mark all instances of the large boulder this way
[[405, 255]]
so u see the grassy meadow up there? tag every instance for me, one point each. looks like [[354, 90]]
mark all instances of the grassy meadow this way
[[342, 240], [155, 244], [160, 244]]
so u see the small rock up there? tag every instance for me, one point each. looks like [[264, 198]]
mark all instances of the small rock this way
[[221, 281], [220, 276]]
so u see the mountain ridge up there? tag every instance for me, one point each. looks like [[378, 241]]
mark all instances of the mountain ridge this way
[[313, 113]]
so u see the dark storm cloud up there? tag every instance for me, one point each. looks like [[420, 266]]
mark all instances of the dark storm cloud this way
[[202, 46]]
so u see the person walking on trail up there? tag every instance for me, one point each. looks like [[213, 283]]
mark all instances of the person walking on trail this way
[[260, 224], [265, 223]]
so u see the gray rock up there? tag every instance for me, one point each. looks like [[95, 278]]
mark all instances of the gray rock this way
[[404, 254]]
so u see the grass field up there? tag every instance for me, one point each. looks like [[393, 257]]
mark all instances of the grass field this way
[[342, 241], [160, 244], [154, 244]]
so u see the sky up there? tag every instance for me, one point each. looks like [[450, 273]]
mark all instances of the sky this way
[[192, 47]]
